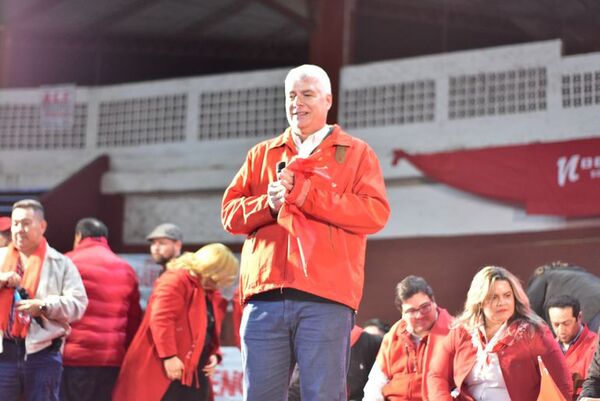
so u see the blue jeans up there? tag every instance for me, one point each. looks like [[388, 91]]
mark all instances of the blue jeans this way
[[36, 378], [276, 334]]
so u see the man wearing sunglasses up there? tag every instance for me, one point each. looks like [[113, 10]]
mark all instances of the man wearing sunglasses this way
[[400, 370]]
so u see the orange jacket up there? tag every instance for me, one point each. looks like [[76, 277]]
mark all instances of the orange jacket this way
[[340, 214], [404, 364], [580, 355]]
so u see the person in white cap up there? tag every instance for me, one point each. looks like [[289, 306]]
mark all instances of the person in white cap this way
[[166, 241]]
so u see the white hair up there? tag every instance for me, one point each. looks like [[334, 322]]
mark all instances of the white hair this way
[[309, 71]]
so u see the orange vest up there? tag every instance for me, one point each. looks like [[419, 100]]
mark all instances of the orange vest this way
[[406, 365]]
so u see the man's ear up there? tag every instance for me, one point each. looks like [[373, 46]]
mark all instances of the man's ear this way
[[76, 240], [178, 245], [329, 98], [580, 317]]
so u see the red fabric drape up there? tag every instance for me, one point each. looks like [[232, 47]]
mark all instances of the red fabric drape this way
[[558, 178]]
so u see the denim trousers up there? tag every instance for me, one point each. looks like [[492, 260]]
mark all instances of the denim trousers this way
[[33, 377], [278, 334]]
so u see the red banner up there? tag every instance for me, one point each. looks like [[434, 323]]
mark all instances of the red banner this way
[[558, 178]]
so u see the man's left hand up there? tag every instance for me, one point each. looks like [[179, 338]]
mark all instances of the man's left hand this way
[[31, 306], [286, 177]]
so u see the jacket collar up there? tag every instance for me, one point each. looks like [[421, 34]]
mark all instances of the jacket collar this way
[[336, 138], [92, 241]]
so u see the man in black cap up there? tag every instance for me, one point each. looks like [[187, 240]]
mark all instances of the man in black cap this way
[[165, 243]]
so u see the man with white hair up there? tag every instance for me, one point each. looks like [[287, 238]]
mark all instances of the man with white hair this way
[[306, 200]]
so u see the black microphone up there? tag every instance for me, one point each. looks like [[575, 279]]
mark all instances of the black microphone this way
[[280, 166], [25, 295]]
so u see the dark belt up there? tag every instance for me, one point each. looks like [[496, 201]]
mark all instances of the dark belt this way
[[13, 341], [54, 346], [290, 293]]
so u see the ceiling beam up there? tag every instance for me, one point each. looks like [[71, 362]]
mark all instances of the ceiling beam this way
[[300, 20], [207, 23], [131, 8], [434, 16], [31, 12], [542, 24], [154, 45]]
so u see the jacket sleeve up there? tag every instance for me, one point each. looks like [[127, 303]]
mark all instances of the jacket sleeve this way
[[362, 210], [555, 361], [70, 304], [373, 390], [168, 306], [242, 211], [379, 376], [134, 313], [591, 385], [536, 292], [440, 378]]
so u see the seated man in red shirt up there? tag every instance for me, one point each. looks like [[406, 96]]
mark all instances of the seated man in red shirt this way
[[576, 341]]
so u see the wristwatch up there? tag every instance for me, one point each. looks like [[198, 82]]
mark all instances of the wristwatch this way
[[43, 308]]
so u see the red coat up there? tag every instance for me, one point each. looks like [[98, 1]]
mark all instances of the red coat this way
[[403, 364], [340, 212], [174, 324], [518, 353], [580, 355], [113, 314]]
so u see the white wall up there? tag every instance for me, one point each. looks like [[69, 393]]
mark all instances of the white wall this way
[[182, 180]]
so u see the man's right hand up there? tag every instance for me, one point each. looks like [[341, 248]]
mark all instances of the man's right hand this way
[[173, 368], [276, 196], [9, 279]]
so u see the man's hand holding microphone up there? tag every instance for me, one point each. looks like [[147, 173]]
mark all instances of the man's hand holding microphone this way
[[278, 189]]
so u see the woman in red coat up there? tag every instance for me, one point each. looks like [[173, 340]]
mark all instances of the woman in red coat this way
[[176, 346], [491, 353]]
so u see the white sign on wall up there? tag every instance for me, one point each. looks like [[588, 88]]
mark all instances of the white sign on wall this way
[[57, 107]]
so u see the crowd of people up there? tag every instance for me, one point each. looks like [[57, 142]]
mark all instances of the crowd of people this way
[[73, 330], [72, 327]]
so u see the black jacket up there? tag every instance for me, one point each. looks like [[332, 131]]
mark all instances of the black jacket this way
[[585, 286], [591, 385]]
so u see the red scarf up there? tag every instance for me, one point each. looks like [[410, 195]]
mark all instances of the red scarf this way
[[30, 281], [291, 217]]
